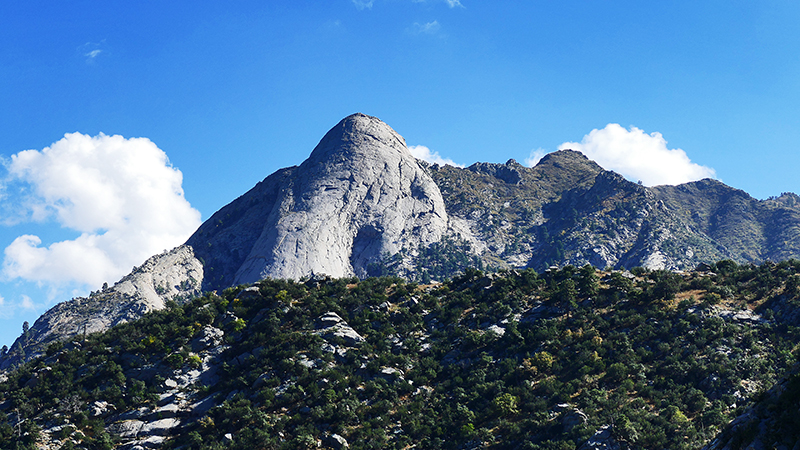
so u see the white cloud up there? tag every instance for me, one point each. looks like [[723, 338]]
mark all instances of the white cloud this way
[[121, 195], [450, 3], [91, 50], [639, 156], [27, 303], [363, 4], [425, 154], [425, 28], [535, 157]]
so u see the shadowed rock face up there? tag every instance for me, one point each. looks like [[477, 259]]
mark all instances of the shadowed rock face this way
[[359, 197]]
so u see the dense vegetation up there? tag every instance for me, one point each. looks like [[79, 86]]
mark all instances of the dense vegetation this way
[[507, 360]]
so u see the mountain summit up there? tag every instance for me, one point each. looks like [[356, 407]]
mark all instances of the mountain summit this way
[[362, 205], [360, 196]]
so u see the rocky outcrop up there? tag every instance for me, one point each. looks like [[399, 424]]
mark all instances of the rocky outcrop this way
[[175, 275], [603, 439], [568, 210], [748, 229], [332, 326], [359, 197]]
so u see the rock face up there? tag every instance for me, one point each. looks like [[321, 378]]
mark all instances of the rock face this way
[[359, 197], [568, 210]]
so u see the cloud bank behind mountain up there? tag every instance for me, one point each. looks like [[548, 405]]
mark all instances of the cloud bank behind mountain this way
[[122, 198], [639, 156]]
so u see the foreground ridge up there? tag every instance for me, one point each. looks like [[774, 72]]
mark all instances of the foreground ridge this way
[[571, 358]]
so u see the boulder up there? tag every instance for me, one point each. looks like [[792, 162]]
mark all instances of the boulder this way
[[207, 337], [100, 409], [331, 325], [336, 442], [159, 427], [603, 439], [126, 428]]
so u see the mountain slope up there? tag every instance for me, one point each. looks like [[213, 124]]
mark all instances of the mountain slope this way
[[568, 210], [750, 230], [361, 205], [173, 275]]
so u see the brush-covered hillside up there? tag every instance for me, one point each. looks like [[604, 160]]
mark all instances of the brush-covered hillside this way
[[567, 359]]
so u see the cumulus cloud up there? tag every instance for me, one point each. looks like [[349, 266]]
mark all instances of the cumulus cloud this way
[[535, 157], [639, 156], [121, 196], [425, 154]]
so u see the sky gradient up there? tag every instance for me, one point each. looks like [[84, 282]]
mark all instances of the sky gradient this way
[[156, 114]]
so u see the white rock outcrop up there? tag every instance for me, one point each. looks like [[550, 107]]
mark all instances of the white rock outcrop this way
[[360, 196], [331, 325], [163, 277]]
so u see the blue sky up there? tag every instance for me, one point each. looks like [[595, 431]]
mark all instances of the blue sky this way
[[198, 101]]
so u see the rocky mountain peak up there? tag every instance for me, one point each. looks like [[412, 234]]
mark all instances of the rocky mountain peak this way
[[355, 136], [359, 197], [510, 172], [566, 158]]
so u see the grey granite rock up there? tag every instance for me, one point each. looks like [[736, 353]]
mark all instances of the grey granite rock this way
[[360, 196], [331, 325], [336, 442], [159, 427], [207, 337]]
